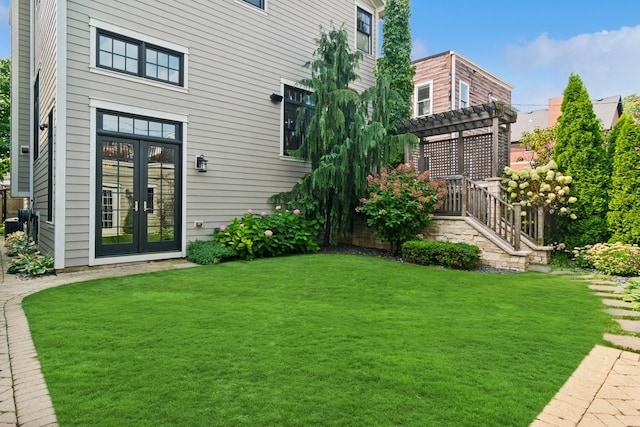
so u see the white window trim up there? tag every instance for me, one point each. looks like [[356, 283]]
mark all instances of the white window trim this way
[[460, 84], [94, 24], [283, 83], [374, 25], [94, 105], [255, 8], [415, 98]]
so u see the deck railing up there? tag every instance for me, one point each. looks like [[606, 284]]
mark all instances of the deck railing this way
[[533, 224], [466, 198]]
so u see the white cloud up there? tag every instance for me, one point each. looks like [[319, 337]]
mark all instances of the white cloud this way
[[418, 49], [608, 63]]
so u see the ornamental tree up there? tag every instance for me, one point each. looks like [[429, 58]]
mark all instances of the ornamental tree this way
[[580, 152], [540, 142], [624, 207], [400, 203], [345, 138], [543, 186]]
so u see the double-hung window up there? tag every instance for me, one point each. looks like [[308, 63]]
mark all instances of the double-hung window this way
[[363, 34], [296, 102], [464, 95], [135, 57], [423, 100]]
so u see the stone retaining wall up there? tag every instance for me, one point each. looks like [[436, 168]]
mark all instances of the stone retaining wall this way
[[457, 230], [454, 230]]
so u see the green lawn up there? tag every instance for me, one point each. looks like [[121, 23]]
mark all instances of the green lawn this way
[[313, 340]]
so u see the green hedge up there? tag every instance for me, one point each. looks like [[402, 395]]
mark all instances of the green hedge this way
[[208, 252], [451, 255]]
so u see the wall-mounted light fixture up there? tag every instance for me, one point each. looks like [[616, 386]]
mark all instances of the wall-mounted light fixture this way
[[201, 163], [44, 126], [276, 97]]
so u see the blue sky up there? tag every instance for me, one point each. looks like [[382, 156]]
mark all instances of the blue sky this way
[[532, 45]]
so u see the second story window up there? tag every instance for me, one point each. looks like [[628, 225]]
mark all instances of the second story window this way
[[363, 34], [423, 100], [296, 101], [256, 3], [464, 95], [138, 58]]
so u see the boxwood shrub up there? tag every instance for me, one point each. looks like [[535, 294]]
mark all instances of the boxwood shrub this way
[[208, 252], [451, 255]]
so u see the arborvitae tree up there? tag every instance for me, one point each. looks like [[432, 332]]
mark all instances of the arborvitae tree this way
[[342, 143], [396, 62], [624, 206], [580, 152], [5, 106]]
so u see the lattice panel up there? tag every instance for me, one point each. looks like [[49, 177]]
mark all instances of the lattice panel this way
[[441, 157], [477, 156]]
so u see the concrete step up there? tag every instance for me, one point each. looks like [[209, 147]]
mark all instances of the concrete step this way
[[621, 312], [606, 288], [629, 325], [624, 341], [616, 303], [540, 268]]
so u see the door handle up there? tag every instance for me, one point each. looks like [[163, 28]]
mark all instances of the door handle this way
[[144, 206], [135, 206]]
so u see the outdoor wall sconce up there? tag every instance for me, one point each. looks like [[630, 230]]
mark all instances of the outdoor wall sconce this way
[[201, 163], [275, 97]]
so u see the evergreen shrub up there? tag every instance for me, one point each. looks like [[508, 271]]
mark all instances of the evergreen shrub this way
[[461, 256], [208, 252]]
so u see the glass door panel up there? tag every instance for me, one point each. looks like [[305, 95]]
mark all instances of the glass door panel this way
[[161, 189], [117, 196]]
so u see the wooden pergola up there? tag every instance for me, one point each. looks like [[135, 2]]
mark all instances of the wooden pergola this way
[[478, 155]]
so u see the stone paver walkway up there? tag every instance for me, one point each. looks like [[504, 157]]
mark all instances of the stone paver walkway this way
[[24, 398], [605, 389]]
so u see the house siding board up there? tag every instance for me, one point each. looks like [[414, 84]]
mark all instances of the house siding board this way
[[45, 63], [20, 164], [481, 85], [231, 120], [437, 70]]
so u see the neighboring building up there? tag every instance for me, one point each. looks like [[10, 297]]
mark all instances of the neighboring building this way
[[449, 81], [140, 126], [608, 110]]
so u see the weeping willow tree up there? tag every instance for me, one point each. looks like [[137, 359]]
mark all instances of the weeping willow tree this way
[[346, 137]]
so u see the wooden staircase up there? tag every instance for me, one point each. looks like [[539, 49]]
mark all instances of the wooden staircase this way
[[498, 221]]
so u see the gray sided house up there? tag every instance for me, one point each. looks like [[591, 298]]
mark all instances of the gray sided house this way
[[138, 126]]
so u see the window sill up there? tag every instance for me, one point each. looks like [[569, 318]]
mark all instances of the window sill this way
[[142, 80], [291, 159]]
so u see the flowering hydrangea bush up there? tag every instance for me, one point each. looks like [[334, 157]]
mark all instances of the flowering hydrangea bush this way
[[265, 235], [543, 186], [400, 203], [616, 259]]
